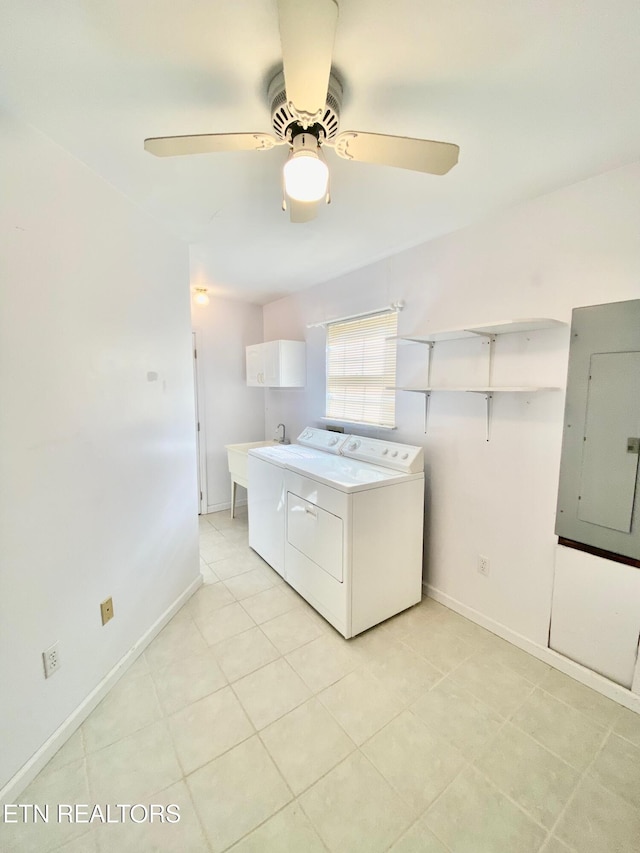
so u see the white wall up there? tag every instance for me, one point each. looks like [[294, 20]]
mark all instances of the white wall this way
[[97, 461], [577, 246], [233, 412]]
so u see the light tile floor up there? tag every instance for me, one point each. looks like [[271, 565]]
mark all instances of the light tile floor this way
[[426, 734]]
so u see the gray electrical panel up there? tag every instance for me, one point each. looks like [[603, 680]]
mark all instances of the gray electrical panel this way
[[599, 495]]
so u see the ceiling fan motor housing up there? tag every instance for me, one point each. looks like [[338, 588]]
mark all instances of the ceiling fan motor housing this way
[[287, 123]]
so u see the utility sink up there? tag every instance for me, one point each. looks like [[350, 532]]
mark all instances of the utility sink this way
[[237, 457]]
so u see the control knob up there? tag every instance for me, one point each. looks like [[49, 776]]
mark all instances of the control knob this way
[[395, 453], [385, 451], [354, 445], [405, 455], [332, 441]]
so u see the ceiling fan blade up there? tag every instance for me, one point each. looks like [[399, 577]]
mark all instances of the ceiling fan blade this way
[[419, 155], [307, 32], [207, 143], [302, 211]]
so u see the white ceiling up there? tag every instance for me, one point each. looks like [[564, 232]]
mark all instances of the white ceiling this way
[[537, 93]]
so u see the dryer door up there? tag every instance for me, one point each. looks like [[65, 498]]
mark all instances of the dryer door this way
[[316, 533]]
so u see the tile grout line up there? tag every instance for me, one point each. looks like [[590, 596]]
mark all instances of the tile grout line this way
[[185, 775], [508, 720], [410, 827], [626, 739], [257, 732], [442, 617], [90, 832], [577, 785], [467, 763], [286, 784], [470, 764], [358, 748], [536, 686], [606, 732], [183, 778], [581, 774]]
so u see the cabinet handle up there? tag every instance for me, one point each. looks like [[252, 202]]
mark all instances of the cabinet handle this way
[[310, 512]]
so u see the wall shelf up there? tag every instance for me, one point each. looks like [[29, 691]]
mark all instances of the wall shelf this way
[[508, 327], [488, 389], [489, 331]]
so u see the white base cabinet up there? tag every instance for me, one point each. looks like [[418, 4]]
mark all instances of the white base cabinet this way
[[276, 364], [595, 615]]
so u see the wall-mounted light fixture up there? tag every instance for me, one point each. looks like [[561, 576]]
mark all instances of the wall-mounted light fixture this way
[[201, 297]]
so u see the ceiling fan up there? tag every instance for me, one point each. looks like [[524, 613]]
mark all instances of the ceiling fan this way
[[305, 100]]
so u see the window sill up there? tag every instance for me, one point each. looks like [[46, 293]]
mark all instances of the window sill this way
[[362, 424]]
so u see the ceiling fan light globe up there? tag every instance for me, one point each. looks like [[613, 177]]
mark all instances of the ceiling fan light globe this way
[[305, 176]]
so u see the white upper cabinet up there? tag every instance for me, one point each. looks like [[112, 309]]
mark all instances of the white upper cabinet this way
[[277, 364]]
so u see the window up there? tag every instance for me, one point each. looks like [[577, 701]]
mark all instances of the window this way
[[361, 366]]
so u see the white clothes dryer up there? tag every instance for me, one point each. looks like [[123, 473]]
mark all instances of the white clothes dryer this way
[[354, 531]]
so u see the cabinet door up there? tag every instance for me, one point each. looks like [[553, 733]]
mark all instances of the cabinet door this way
[[255, 365], [292, 368], [284, 364], [271, 364], [595, 613]]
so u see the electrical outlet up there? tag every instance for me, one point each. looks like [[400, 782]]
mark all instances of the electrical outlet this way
[[51, 660], [106, 610], [483, 565]]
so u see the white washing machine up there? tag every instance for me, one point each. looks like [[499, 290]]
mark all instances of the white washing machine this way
[[354, 531], [266, 492]]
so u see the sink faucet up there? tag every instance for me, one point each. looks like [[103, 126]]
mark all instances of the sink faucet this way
[[281, 440]]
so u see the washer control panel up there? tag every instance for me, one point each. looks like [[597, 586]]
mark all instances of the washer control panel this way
[[388, 454], [323, 439]]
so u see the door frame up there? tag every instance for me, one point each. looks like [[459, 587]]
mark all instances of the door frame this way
[[199, 413]]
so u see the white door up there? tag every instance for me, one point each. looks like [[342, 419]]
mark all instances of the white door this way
[[200, 439]]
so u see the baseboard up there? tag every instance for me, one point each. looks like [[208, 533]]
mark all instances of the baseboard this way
[[224, 505], [27, 773], [574, 670]]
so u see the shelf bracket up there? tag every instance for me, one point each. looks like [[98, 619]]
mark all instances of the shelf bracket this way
[[431, 349], [489, 401], [490, 340], [427, 398]]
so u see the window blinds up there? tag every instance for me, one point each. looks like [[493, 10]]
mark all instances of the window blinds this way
[[361, 366]]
